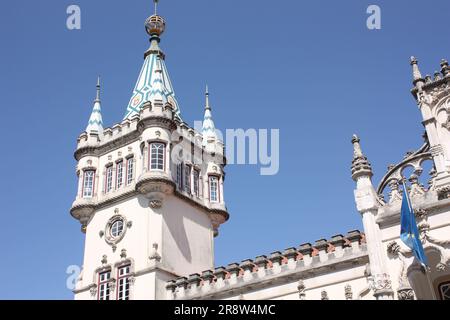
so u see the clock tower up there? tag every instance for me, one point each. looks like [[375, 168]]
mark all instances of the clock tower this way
[[150, 192]]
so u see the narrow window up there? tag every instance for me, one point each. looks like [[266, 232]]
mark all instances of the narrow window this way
[[180, 176], [157, 156], [130, 170], [103, 285], [119, 175], [88, 183], [213, 189], [123, 280], [109, 178], [196, 182], [187, 179]]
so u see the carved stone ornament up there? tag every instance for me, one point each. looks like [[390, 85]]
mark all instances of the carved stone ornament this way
[[405, 294], [123, 253], [447, 124], [104, 259], [324, 296], [109, 238], [93, 290], [155, 204], [348, 292], [380, 282], [155, 255], [301, 289]]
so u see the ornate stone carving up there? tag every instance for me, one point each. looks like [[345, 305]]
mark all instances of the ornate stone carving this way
[[405, 294], [381, 282], [123, 253], [441, 267], [301, 289], [104, 259], [155, 203], [324, 295], [93, 290], [155, 255], [348, 292], [393, 248], [109, 238]]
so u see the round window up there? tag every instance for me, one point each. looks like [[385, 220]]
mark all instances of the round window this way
[[117, 228]]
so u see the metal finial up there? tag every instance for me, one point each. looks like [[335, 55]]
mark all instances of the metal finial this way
[[156, 5], [207, 106], [97, 97]]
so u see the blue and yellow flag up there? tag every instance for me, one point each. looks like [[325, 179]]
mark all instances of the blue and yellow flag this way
[[409, 232]]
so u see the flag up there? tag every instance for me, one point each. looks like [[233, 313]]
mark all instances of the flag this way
[[409, 232]]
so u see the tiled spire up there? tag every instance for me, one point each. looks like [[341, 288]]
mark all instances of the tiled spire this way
[[208, 129], [153, 78], [95, 124]]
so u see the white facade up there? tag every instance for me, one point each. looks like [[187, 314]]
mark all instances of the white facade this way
[[151, 199]]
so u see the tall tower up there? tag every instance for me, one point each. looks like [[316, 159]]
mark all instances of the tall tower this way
[[150, 192], [433, 98]]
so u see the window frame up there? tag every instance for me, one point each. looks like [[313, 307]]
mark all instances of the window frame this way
[[104, 285], [163, 156], [109, 178], [217, 198], [119, 174], [187, 178], [129, 177], [180, 176], [126, 278], [196, 182], [83, 186]]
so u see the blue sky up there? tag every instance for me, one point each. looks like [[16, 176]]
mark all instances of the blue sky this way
[[310, 68]]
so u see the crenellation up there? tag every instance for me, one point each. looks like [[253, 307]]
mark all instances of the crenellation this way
[[250, 273]]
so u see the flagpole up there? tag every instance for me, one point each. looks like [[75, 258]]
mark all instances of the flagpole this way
[[427, 275]]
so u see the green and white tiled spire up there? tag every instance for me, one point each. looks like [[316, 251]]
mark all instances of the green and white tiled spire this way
[[153, 82], [208, 129], [95, 124]]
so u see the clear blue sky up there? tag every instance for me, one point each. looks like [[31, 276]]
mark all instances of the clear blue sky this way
[[310, 68]]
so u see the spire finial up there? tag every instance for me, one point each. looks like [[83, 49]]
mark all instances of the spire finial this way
[[357, 152], [445, 69], [207, 106], [156, 5], [97, 97], [360, 164], [208, 129], [155, 24], [417, 76]]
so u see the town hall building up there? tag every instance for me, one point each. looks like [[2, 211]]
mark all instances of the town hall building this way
[[151, 201]]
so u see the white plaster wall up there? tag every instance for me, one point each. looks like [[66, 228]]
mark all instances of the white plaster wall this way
[[187, 238]]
